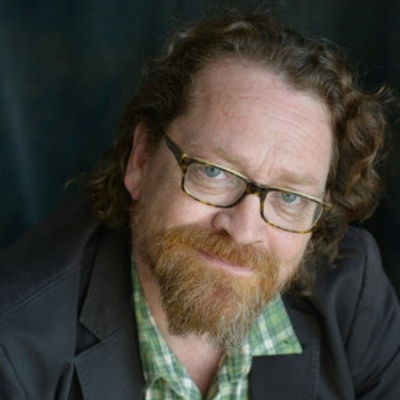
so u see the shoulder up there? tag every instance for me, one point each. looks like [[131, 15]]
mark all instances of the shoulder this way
[[48, 253], [353, 298], [354, 284], [358, 316], [356, 271], [358, 256]]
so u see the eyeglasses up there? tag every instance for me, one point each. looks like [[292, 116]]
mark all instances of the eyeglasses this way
[[222, 187]]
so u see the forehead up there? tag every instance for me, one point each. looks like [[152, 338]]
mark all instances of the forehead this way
[[247, 118]]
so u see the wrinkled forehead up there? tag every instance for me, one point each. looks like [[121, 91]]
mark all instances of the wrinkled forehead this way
[[250, 119], [216, 72]]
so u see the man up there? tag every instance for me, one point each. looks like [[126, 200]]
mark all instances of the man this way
[[218, 263]]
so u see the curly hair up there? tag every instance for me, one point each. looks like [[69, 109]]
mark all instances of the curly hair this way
[[315, 66]]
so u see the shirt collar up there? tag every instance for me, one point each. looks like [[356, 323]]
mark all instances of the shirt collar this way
[[272, 334]]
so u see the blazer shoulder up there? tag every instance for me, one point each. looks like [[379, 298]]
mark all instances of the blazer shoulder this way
[[358, 256], [358, 243], [355, 279], [47, 253]]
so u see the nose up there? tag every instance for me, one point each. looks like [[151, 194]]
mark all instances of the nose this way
[[243, 222]]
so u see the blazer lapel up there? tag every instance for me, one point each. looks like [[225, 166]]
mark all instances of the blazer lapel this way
[[289, 377], [110, 369]]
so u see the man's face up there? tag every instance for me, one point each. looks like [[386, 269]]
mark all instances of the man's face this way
[[216, 268]]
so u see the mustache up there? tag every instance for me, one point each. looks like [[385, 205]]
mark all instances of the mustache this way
[[217, 244]]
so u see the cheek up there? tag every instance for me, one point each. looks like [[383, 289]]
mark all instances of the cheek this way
[[164, 205], [288, 249], [180, 209]]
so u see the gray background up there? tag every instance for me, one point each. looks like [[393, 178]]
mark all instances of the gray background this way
[[67, 69]]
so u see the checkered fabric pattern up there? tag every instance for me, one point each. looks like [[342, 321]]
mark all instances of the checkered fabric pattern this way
[[167, 379]]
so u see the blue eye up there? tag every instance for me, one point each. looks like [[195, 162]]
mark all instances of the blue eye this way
[[211, 171], [289, 197]]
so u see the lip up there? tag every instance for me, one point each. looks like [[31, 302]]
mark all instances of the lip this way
[[226, 265]]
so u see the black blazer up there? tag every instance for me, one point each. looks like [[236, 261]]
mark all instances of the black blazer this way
[[67, 328]]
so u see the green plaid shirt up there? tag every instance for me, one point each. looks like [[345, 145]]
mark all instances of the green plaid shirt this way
[[167, 379]]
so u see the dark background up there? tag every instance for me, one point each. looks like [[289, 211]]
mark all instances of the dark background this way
[[67, 69]]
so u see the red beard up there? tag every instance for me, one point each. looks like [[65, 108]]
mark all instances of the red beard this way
[[200, 298]]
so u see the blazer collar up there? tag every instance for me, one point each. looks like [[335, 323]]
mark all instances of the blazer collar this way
[[107, 302], [110, 369], [290, 377]]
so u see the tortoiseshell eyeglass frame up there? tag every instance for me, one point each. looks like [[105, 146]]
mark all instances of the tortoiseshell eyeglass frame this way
[[261, 191]]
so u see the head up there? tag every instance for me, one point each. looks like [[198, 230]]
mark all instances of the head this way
[[243, 93]]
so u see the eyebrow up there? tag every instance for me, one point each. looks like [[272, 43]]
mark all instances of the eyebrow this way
[[219, 151], [287, 178]]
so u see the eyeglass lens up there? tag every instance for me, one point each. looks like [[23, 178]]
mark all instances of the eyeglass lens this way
[[222, 188]]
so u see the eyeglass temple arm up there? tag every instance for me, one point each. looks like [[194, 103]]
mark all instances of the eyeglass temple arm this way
[[176, 150]]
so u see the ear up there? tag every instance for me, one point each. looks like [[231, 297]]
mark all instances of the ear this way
[[137, 162]]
